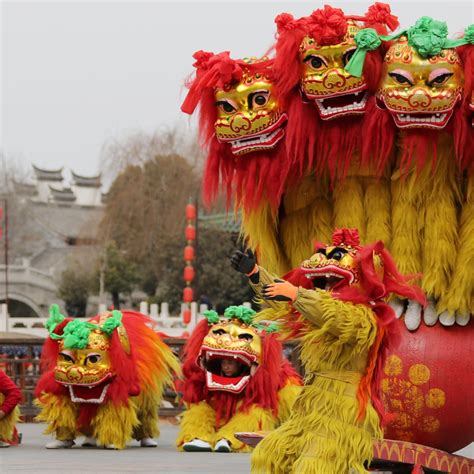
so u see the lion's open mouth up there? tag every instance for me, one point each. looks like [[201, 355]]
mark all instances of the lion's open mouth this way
[[328, 278], [211, 360], [92, 393], [263, 140], [347, 104]]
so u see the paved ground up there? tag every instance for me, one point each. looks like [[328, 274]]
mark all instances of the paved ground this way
[[32, 457]]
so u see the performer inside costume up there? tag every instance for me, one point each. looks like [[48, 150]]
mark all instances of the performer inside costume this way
[[421, 90], [325, 107], [10, 397], [236, 379], [334, 303], [104, 379], [242, 126]]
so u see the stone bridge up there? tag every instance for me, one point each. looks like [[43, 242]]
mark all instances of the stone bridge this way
[[30, 291]]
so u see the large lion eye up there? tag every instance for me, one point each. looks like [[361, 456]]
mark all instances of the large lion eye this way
[[337, 254], [245, 336], [346, 57], [258, 99], [65, 357], [439, 80], [218, 332], [400, 78], [92, 358], [226, 106], [315, 62]]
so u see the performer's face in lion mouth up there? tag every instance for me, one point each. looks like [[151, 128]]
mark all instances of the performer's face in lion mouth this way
[[230, 355], [248, 116], [335, 92], [86, 372], [420, 93], [331, 268]]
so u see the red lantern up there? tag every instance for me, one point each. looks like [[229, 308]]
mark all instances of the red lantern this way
[[188, 294], [186, 316], [190, 212], [188, 274], [188, 253], [190, 232]]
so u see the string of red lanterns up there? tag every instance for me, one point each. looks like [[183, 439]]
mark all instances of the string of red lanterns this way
[[189, 256]]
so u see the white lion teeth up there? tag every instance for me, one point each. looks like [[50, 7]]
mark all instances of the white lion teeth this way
[[265, 137], [447, 319], [462, 319], [398, 306], [435, 118], [430, 315], [355, 106], [413, 315]]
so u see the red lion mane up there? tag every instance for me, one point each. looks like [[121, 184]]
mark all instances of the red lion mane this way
[[262, 390], [133, 371]]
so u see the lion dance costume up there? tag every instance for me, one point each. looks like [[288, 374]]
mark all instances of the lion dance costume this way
[[104, 379], [338, 312], [421, 96], [243, 128], [10, 397], [257, 396]]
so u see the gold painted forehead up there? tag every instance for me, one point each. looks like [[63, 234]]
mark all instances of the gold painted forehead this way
[[402, 52], [244, 88], [234, 325]]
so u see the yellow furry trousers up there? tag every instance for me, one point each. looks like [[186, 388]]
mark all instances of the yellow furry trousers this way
[[199, 421], [363, 202], [460, 296]]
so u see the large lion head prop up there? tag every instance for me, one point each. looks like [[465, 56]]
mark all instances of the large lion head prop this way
[[360, 275], [106, 359], [258, 371], [323, 100], [421, 92], [242, 125]]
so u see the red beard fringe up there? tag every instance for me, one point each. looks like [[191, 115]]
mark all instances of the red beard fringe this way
[[262, 389], [248, 178]]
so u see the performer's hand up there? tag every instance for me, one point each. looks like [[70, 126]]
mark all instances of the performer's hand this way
[[2, 414], [281, 290], [244, 262]]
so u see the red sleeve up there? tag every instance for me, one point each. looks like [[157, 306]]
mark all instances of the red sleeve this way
[[11, 391]]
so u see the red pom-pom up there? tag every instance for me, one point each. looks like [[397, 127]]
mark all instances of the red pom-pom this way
[[202, 59], [328, 25], [285, 21], [346, 238], [378, 16]]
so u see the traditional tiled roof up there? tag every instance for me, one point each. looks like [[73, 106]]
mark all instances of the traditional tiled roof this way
[[90, 181], [224, 221], [62, 195], [25, 189], [48, 175]]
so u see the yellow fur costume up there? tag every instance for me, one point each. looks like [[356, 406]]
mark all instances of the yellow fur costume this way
[[322, 436], [8, 423], [260, 394], [126, 366]]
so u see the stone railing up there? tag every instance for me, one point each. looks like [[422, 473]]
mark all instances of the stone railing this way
[[165, 323], [20, 359]]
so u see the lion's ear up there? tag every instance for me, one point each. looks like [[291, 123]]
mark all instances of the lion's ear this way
[[111, 321], [123, 338]]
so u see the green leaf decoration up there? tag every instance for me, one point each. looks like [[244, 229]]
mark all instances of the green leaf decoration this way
[[428, 37], [112, 322], [240, 312], [55, 318], [76, 334], [211, 316]]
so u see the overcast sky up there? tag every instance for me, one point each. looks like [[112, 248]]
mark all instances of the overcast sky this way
[[76, 74]]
